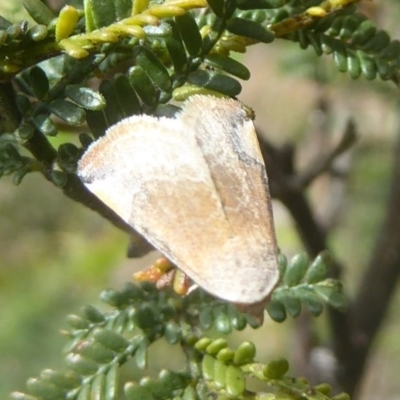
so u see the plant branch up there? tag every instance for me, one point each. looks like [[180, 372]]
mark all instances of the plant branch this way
[[377, 286], [324, 163], [281, 173]]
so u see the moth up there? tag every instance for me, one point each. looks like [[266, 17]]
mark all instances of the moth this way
[[195, 186]]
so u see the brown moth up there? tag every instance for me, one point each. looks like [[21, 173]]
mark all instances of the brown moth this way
[[195, 186]]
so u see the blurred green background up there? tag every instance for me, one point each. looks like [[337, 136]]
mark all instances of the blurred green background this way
[[56, 256]]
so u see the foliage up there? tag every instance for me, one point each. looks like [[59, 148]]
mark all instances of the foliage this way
[[152, 53], [176, 53], [100, 343]]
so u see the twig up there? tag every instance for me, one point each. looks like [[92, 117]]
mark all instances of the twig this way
[[378, 285], [313, 236], [324, 163]]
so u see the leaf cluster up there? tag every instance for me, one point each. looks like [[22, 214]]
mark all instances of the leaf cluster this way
[[152, 52], [90, 68], [100, 343]]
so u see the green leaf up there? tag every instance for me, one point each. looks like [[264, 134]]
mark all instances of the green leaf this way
[[26, 131], [189, 394], [190, 33], [38, 11], [291, 303], [171, 380], [385, 69], [157, 388], [113, 298], [90, 23], [95, 351], [97, 389], [245, 353], [340, 60], [141, 355], [176, 49], [319, 268], [85, 392], [323, 388], [220, 370], [172, 332], [113, 111], [44, 389], [226, 355], [315, 42], [391, 52], [329, 44], [350, 24], [38, 33], [23, 103], [353, 64], [260, 4], [111, 383], [146, 316], [215, 81], [68, 155], [154, 68], [134, 391], [110, 339], [237, 320], [65, 380], [45, 125], [202, 343], [81, 365], [379, 41], [39, 82], [206, 317], [282, 264], [216, 345], [103, 12], [97, 122], [310, 299], [336, 26], [235, 381], [85, 139], [143, 85], [368, 66], [296, 269], [68, 111], [221, 320], [250, 29], [217, 7], [332, 295], [325, 23], [126, 96], [228, 65], [208, 367], [85, 97], [363, 33], [276, 310], [92, 314], [4, 23], [14, 32], [77, 322], [123, 8], [275, 369]]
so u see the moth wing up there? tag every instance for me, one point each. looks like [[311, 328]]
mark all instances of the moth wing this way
[[152, 174], [226, 135], [161, 180]]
